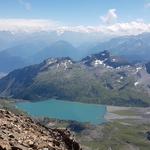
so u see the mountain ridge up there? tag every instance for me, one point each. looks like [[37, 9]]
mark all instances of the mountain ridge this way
[[134, 48], [33, 48], [100, 81]]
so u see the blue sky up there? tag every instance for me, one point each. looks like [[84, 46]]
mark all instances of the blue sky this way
[[112, 17], [75, 12]]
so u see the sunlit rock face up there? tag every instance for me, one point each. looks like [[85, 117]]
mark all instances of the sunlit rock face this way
[[22, 133], [105, 59]]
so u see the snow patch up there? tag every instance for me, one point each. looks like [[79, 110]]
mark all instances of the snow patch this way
[[109, 67], [121, 77], [65, 64], [136, 83], [119, 81], [138, 69], [98, 62], [70, 62], [118, 68], [58, 65], [148, 113], [113, 60], [51, 61]]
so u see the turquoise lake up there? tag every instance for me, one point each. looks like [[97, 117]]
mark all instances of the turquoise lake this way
[[65, 110]]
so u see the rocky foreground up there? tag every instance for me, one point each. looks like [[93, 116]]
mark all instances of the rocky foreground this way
[[18, 132]]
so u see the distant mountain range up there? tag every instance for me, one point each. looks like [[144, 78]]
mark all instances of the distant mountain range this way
[[99, 78], [133, 48], [19, 50], [8, 62], [58, 49]]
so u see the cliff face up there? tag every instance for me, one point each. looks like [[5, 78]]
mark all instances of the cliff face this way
[[18, 132]]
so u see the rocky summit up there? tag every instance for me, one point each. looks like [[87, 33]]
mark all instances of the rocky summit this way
[[19, 132]]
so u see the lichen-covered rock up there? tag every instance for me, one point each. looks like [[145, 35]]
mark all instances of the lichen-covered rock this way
[[18, 132]]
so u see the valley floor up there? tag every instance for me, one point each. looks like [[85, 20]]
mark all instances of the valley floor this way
[[128, 128], [118, 113]]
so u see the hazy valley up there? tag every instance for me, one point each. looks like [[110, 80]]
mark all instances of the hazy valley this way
[[74, 75]]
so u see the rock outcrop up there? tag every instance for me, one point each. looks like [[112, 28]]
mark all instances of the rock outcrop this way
[[19, 132], [148, 135]]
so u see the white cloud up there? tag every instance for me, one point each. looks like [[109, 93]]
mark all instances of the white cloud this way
[[35, 25], [25, 4], [27, 25], [130, 28], [117, 29], [147, 5], [110, 17]]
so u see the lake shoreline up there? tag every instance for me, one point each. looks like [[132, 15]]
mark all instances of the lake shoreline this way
[[81, 112], [120, 113], [111, 115]]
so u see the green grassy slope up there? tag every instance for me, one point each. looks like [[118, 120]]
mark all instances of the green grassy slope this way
[[79, 84]]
